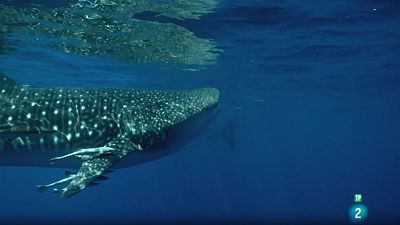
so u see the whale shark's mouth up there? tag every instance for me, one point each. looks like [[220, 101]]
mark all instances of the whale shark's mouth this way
[[214, 94]]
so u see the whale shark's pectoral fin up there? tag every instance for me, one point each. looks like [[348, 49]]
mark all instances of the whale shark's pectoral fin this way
[[96, 161]]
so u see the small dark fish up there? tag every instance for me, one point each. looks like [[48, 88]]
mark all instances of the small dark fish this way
[[101, 177], [93, 184]]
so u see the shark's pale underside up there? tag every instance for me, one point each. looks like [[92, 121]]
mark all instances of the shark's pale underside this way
[[96, 129]]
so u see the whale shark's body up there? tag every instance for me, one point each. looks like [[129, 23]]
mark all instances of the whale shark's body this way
[[97, 128]]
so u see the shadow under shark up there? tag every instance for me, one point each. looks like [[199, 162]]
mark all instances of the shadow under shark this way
[[96, 129]]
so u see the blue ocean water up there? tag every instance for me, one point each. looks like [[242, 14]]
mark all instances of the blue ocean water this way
[[308, 117]]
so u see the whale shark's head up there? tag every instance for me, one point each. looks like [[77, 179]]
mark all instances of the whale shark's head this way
[[190, 112], [159, 110], [206, 104], [204, 99], [175, 112], [200, 108]]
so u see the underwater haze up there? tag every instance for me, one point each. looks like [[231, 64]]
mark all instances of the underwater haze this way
[[308, 109]]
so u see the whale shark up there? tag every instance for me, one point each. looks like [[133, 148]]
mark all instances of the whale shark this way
[[96, 130]]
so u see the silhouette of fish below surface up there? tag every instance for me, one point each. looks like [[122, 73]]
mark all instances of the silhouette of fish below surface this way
[[96, 129]]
